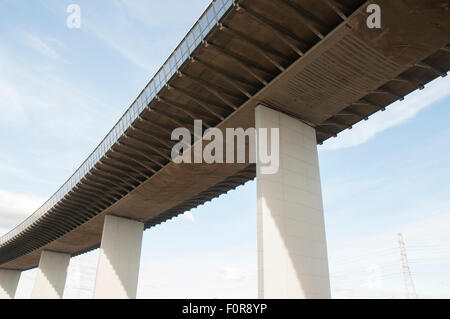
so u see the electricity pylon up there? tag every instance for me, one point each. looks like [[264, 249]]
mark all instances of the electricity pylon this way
[[410, 290]]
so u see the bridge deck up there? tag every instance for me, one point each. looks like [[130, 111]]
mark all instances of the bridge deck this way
[[314, 60]]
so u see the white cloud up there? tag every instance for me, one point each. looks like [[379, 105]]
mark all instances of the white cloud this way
[[188, 216], [225, 273], [232, 273], [15, 207], [395, 114], [38, 44]]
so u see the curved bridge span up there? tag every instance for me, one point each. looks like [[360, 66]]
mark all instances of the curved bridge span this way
[[315, 61]]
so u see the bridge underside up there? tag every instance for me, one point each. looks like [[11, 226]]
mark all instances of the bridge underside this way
[[314, 60]]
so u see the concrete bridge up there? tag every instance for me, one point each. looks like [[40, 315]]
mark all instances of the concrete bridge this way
[[311, 68]]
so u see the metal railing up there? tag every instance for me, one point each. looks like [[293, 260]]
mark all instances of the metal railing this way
[[215, 12]]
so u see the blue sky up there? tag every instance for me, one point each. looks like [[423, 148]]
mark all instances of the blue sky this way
[[61, 90]]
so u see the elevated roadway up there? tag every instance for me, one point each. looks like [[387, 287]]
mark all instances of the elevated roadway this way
[[313, 60]]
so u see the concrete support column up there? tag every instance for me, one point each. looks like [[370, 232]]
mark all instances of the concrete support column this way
[[118, 264], [292, 252], [8, 283], [51, 276]]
